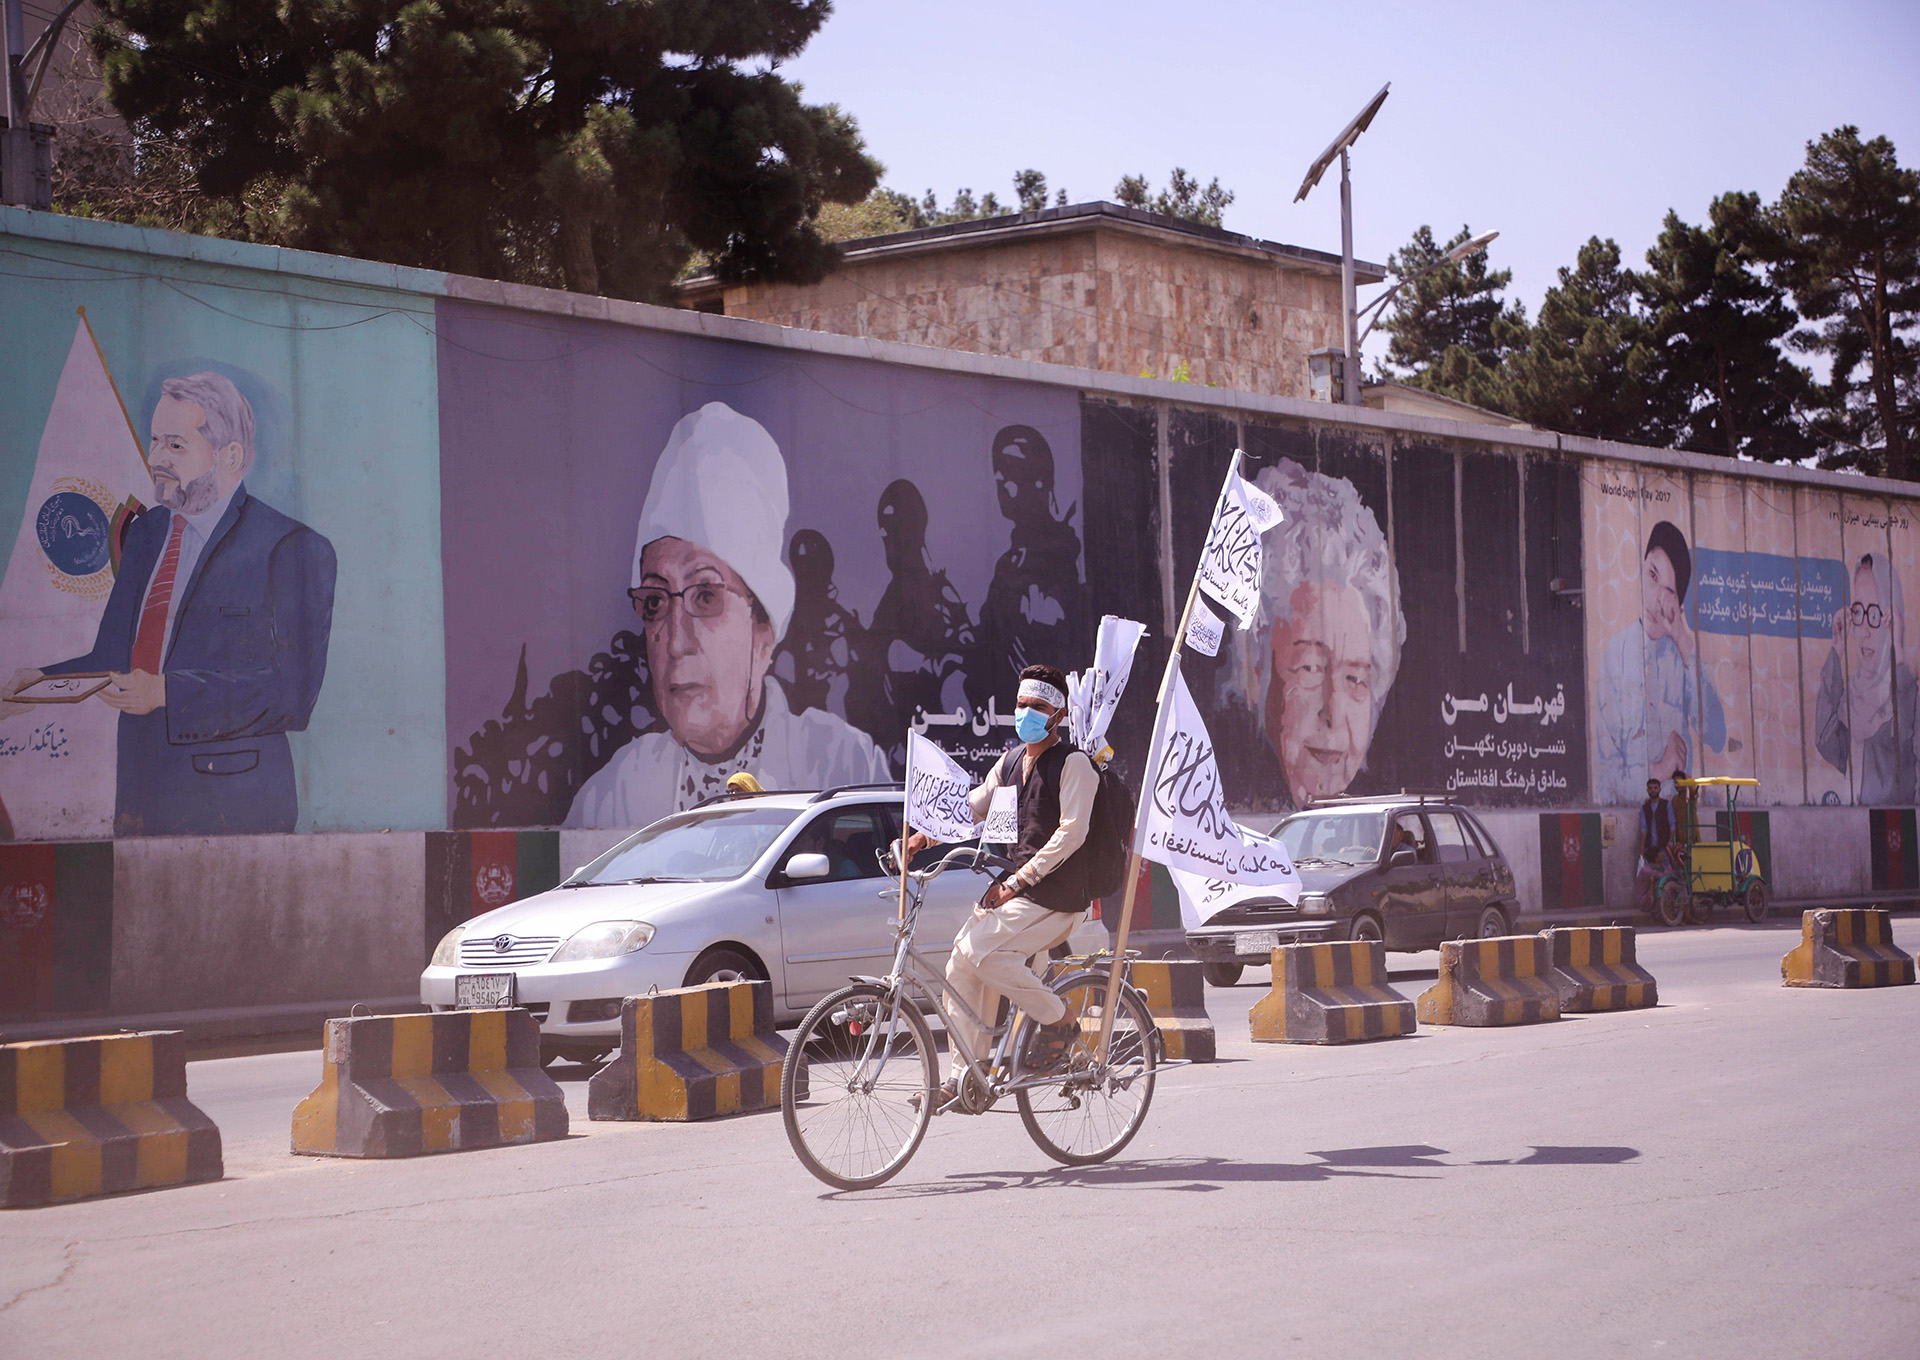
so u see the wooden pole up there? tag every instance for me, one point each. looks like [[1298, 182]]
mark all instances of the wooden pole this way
[[906, 831], [1159, 717]]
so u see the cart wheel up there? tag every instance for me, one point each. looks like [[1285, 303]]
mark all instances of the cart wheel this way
[[1672, 903], [1755, 901], [1700, 908]]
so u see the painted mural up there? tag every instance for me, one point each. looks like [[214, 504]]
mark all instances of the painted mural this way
[[670, 560]]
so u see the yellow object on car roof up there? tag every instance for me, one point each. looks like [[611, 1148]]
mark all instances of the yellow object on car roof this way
[[1718, 779]]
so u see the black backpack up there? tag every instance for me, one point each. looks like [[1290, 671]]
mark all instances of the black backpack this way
[[1103, 855]]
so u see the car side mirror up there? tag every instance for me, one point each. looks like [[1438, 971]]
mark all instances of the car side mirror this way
[[1402, 857], [802, 868]]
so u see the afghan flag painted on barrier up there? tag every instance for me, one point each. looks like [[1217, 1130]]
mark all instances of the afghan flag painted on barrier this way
[[1895, 848], [1570, 869], [469, 872], [56, 928], [1756, 832]]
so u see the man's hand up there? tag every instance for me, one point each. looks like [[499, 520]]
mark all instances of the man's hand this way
[[136, 692], [1677, 630], [21, 679], [996, 895], [917, 842]]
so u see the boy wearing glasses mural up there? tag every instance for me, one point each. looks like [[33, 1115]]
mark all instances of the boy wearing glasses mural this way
[[1864, 717], [714, 598]]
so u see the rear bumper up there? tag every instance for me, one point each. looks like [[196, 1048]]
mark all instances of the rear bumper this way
[[1224, 944]]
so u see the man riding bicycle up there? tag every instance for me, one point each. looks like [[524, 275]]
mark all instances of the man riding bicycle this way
[[1040, 901]]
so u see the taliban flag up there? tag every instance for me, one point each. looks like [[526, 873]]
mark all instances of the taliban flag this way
[[1184, 823], [937, 792], [57, 759], [1230, 562]]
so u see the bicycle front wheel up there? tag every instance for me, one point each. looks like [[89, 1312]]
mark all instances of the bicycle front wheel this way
[[1089, 1115], [857, 1089]]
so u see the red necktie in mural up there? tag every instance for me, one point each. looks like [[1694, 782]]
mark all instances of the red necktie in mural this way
[[152, 636]]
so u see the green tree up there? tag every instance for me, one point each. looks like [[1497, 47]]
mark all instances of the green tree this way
[[1183, 197], [1844, 239], [1586, 365], [1716, 323], [1456, 307], [536, 140]]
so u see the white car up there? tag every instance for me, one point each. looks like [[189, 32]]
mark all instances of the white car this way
[[783, 887]]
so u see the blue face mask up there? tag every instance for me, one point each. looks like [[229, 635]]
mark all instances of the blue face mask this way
[[1030, 724]]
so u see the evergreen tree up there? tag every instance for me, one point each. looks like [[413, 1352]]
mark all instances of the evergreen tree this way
[[1586, 366], [1183, 197], [1716, 323], [1455, 307], [541, 140], [1844, 239]]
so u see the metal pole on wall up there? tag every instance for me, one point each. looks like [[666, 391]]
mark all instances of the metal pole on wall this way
[[1350, 365], [16, 142]]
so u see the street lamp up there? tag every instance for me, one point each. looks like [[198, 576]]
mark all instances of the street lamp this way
[[1458, 253], [1339, 147]]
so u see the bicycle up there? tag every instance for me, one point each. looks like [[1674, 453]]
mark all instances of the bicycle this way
[[861, 1081]]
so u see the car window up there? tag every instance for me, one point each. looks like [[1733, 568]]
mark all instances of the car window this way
[[1352, 837], [707, 845], [1449, 842], [1478, 843], [850, 839], [1409, 829]]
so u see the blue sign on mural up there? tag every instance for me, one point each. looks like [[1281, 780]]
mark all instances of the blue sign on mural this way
[[73, 533], [1767, 594]]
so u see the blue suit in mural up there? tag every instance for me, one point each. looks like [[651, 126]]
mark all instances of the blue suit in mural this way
[[244, 661]]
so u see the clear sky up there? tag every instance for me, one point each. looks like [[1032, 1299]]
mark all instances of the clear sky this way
[[1550, 122]]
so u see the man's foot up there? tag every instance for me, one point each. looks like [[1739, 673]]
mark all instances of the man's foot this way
[[943, 1099], [1049, 1045]]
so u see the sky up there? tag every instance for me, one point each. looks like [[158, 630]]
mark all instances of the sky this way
[[1548, 122]]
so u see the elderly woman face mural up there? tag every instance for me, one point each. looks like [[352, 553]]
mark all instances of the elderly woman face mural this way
[[1325, 647], [714, 598], [1864, 717]]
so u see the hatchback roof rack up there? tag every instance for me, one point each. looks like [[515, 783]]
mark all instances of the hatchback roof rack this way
[[825, 794], [735, 795], [1403, 796]]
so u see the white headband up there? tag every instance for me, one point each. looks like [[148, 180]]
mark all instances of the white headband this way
[[1041, 690]]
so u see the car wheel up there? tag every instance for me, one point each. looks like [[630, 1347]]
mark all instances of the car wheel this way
[[1493, 923], [722, 965], [1221, 974], [1366, 928]]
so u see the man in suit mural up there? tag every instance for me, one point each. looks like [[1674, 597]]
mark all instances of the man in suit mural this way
[[215, 635]]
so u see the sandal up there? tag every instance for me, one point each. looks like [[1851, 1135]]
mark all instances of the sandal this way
[[1048, 1046], [943, 1099]]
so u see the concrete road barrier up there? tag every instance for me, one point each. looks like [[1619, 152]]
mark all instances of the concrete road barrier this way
[[1594, 969], [1846, 948], [100, 1116], [692, 1053], [1330, 994], [1491, 982], [1175, 992], [404, 1085]]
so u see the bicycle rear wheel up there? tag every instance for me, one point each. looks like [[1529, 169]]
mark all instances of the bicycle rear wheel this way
[[1088, 1117], [857, 1089]]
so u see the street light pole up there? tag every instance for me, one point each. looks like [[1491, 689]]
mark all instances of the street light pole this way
[[1458, 253], [1349, 320]]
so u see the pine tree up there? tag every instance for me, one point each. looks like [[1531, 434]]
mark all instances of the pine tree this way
[[1183, 197], [1443, 324], [1716, 323], [541, 141]]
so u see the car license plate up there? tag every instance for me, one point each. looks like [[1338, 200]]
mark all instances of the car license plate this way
[[1256, 942], [482, 991]]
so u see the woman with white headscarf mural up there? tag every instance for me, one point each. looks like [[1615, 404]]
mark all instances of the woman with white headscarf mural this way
[[1325, 646], [1863, 720], [714, 598]]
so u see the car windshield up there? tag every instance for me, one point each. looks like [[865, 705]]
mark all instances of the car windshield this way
[[1346, 837], [709, 845]]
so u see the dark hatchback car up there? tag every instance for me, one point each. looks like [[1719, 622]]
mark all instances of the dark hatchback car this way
[[1408, 870]]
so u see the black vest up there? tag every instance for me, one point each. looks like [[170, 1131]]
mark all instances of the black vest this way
[[1065, 889]]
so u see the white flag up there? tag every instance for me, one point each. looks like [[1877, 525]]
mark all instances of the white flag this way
[[1204, 629], [1184, 822], [1202, 897], [57, 760], [1093, 697], [937, 792], [1230, 563]]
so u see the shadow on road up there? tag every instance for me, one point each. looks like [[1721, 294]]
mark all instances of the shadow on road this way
[[1203, 1174]]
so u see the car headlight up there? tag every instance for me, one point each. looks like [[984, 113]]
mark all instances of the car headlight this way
[[1316, 904], [604, 940], [446, 954]]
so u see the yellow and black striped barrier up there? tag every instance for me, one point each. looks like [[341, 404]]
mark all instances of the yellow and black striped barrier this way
[[404, 1085], [1846, 948], [1176, 995], [1491, 982], [1330, 994], [99, 1116], [1593, 968], [692, 1053]]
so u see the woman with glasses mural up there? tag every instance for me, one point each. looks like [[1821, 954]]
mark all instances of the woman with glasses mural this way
[[1863, 722], [714, 598]]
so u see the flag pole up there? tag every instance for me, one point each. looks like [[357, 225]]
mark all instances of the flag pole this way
[[1159, 717], [125, 415]]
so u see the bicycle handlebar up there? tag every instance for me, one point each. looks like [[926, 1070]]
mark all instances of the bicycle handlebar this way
[[975, 857]]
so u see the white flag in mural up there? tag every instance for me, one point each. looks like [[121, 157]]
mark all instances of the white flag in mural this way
[[1202, 897], [57, 760], [937, 792], [1184, 822], [1230, 563], [1093, 696]]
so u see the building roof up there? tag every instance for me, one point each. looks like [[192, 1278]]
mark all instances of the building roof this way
[[1075, 217], [1401, 399]]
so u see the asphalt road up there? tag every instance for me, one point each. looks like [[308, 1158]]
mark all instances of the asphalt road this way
[[1732, 1174]]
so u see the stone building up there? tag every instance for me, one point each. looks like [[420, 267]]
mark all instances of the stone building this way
[[1093, 285]]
